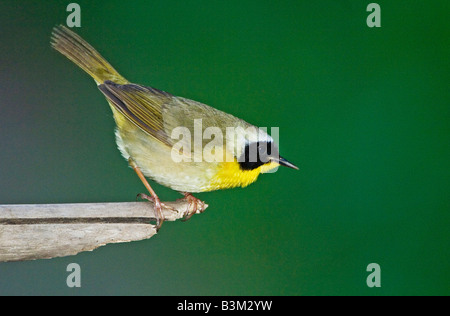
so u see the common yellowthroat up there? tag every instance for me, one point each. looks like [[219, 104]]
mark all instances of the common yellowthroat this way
[[146, 118]]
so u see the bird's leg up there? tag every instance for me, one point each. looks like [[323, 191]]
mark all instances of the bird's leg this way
[[194, 206], [154, 198]]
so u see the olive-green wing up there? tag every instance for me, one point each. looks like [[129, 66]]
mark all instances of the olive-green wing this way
[[157, 112], [140, 105]]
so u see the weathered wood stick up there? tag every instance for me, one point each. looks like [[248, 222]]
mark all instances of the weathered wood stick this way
[[43, 231]]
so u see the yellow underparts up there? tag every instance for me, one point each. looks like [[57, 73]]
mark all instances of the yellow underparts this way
[[230, 175]]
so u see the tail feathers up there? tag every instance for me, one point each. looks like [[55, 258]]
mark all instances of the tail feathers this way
[[84, 55]]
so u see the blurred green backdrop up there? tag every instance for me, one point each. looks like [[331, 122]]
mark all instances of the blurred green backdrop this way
[[363, 111]]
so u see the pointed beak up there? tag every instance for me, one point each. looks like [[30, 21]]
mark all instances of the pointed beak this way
[[283, 162]]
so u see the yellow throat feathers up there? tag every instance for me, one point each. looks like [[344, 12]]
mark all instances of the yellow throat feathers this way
[[230, 175]]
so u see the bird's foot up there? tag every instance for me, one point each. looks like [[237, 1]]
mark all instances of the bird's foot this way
[[158, 208], [195, 206]]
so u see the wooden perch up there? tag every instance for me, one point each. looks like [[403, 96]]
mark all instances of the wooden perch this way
[[44, 231]]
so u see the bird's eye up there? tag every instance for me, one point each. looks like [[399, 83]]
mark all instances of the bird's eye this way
[[257, 154], [264, 151], [262, 148]]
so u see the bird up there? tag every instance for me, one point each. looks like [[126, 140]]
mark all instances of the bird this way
[[146, 119]]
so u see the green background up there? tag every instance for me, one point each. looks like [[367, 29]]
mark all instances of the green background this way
[[364, 112]]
